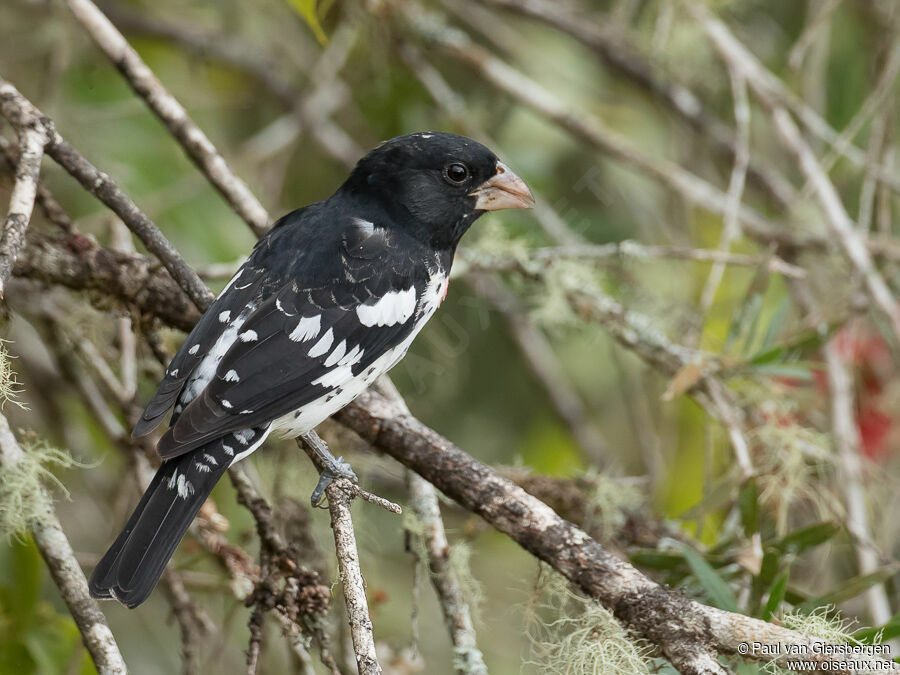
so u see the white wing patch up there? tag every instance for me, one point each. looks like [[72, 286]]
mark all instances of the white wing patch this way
[[249, 336], [337, 354], [323, 345], [232, 376], [393, 307], [307, 328]]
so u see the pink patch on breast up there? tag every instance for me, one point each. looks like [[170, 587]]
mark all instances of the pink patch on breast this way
[[445, 286]]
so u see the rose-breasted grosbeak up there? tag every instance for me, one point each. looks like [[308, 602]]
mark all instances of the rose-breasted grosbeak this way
[[331, 298]]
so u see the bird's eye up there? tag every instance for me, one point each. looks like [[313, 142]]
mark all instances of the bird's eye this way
[[456, 173]]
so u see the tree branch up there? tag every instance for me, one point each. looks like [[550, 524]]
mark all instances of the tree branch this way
[[688, 634], [146, 85], [13, 104], [340, 493], [64, 568], [32, 139]]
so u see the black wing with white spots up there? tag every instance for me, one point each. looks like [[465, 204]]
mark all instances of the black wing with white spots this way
[[306, 346]]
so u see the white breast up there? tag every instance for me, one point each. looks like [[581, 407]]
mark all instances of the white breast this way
[[349, 387]]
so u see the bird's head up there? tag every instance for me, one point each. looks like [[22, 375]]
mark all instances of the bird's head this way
[[437, 184]]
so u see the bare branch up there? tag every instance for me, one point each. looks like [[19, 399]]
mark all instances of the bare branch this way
[[544, 365], [457, 617], [52, 210], [100, 185], [32, 139], [688, 633], [79, 263], [339, 494], [582, 125], [146, 85], [840, 222], [612, 46], [64, 568]]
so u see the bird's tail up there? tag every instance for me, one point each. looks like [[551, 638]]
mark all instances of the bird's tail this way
[[136, 560]]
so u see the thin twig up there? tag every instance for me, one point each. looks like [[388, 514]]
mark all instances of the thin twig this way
[[195, 143], [340, 493], [773, 91], [544, 365], [849, 239], [32, 139], [580, 124], [51, 208], [13, 105], [468, 659], [64, 568], [732, 226], [610, 43], [689, 634]]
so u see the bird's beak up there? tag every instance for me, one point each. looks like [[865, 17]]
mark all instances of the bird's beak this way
[[503, 190]]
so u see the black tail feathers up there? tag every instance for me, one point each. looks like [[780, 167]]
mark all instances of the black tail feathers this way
[[134, 563]]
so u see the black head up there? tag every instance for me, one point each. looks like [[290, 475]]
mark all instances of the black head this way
[[437, 184]]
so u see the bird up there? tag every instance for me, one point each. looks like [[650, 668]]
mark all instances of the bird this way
[[330, 298]]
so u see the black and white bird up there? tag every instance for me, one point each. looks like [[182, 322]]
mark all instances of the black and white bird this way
[[330, 298]]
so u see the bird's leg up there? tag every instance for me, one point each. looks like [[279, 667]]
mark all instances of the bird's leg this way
[[330, 467]]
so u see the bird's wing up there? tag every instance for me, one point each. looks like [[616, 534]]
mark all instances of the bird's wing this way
[[302, 344], [248, 283]]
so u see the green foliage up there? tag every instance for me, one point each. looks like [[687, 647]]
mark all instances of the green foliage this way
[[35, 639], [308, 9]]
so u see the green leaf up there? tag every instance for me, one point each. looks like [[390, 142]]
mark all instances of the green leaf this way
[[799, 346], [776, 323], [716, 588], [888, 631], [748, 504], [776, 596], [307, 9], [808, 537], [656, 560], [851, 588]]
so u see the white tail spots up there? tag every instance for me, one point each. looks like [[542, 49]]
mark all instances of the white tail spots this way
[[173, 373], [210, 459], [393, 307], [249, 336], [194, 349], [246, 412], [228, 450], [224, 316], [226, 404], [323, 345], [307, 328], [185, 487], [337, 354], [173, 481], [232, 376], [202, 468]]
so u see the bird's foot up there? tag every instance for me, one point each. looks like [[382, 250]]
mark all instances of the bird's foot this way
[[330, 468], [335, 468]]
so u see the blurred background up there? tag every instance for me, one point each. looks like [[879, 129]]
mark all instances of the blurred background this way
[[609, 111]]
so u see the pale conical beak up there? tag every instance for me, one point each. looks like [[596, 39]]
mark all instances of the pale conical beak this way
[[503, 190]]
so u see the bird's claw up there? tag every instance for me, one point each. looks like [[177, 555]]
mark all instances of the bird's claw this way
[[334, 469]]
